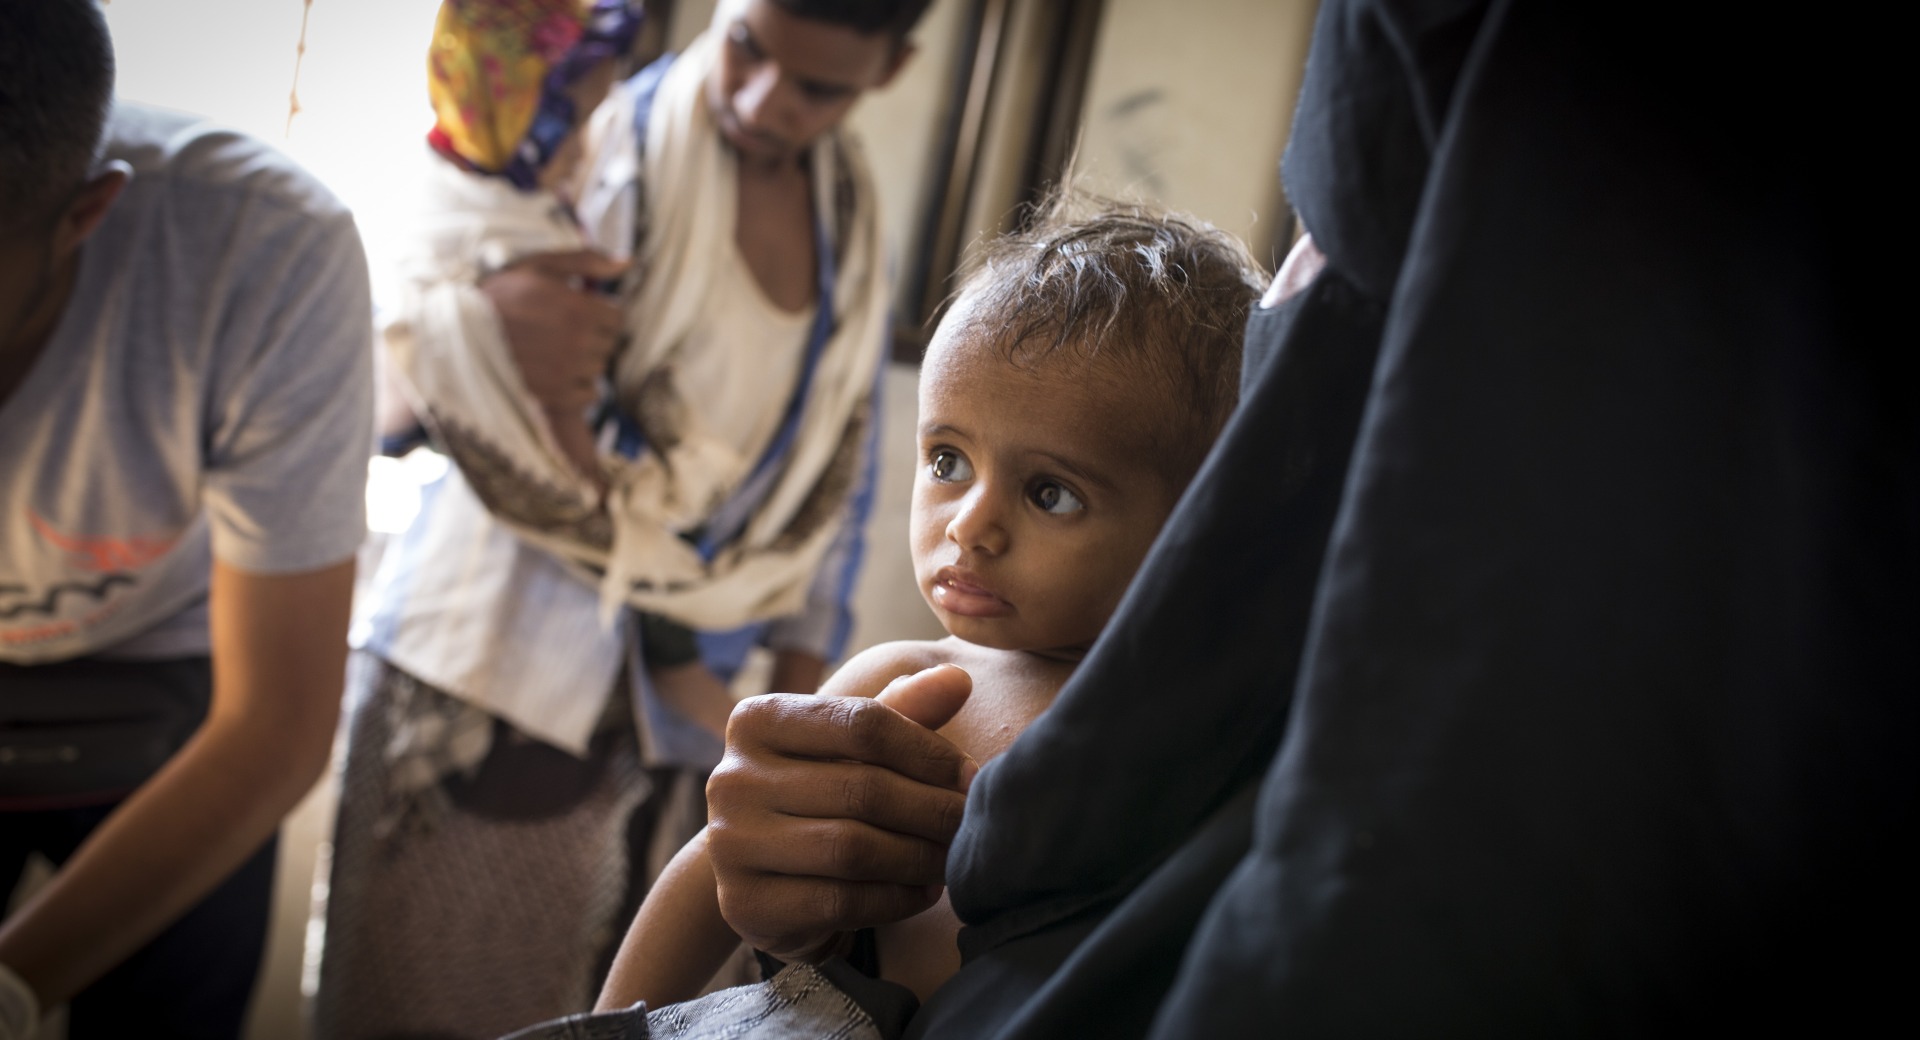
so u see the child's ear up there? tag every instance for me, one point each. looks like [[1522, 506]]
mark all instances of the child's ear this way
[[89, 207], [901, 54]]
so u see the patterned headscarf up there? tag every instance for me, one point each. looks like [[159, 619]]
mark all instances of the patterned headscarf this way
[[498, 73]]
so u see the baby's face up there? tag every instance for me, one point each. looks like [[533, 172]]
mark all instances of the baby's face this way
[[1036, 497]]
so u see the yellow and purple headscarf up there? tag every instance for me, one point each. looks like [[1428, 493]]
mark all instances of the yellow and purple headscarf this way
[[498, 73]]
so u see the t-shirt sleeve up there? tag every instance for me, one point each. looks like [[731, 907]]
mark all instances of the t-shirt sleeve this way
[[291, 419]]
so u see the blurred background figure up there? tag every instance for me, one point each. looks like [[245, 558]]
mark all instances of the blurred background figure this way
[[659, 466], [185, 397]]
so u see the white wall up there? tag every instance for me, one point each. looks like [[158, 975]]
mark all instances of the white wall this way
[[362, 84]]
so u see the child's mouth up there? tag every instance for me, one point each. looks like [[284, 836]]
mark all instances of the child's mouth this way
[[954, 593]]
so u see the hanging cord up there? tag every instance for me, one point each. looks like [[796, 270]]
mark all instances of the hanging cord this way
[[299, 55]]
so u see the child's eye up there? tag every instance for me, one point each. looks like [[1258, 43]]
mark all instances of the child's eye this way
[[1056, 499], [948, 466]]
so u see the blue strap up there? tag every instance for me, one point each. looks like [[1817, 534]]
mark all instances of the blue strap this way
[[628, 441]]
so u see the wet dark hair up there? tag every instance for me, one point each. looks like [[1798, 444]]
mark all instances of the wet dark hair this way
[[56, 86], [1129, 289], [894, 17]]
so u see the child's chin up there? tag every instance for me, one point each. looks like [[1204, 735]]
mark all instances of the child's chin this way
[[1004, 638], [980, 632]]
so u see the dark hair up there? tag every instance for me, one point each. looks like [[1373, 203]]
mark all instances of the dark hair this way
[[1164, 295], [894, 17], [56, 85]]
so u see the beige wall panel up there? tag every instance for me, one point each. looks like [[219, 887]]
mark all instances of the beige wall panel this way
[[901, 124], [1018, 105], [689, 17], [1189, 105]]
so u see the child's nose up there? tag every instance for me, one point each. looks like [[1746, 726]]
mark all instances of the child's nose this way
[[977, 525]]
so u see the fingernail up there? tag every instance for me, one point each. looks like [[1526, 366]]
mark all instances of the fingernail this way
[[968, 770]]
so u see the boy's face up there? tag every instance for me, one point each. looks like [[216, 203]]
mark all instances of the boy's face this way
[[783, 80], [1036, 496]]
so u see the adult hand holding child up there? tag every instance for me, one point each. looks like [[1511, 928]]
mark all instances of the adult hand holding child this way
[[830, 814]]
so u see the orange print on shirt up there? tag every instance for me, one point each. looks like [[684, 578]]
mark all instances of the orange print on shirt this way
[[105, 554]]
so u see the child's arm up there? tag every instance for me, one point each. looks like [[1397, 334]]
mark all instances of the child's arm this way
[[693, 692], [680, 678], [678, 940]]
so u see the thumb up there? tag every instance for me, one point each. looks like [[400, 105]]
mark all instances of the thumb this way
[[577, 263], [931, 697]]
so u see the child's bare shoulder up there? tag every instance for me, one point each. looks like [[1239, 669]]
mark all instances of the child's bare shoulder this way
[[868, 672], [1010, 689]]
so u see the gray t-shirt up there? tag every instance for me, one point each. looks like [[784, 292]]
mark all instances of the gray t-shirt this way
[[207, 394]]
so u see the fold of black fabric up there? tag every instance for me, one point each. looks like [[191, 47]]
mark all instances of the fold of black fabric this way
[[1582, 694], [1101, 972]]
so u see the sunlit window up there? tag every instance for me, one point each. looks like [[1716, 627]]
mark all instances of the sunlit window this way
[[393, 488], [363, 112]]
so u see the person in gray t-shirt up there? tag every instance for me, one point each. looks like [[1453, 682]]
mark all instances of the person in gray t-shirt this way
[[185, 420]]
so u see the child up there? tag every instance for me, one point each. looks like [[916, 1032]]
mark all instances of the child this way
[[1067, 398]]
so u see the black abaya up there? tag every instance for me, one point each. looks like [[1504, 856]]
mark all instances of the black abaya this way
[[1531, 655]]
